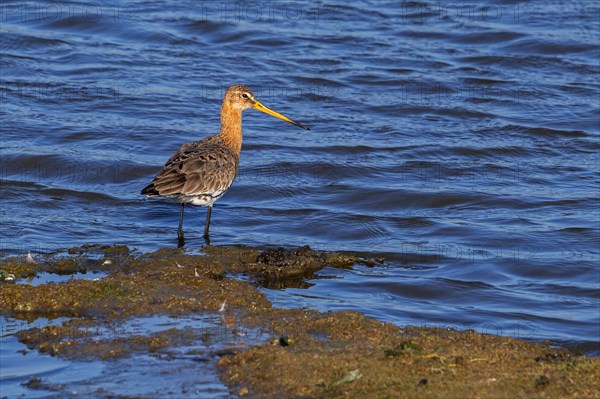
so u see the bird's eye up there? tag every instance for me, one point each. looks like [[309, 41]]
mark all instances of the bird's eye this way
[[244, 95]]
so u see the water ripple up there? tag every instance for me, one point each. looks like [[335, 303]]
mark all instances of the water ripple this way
[[462, 148]]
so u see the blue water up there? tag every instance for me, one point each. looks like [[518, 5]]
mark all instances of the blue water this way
[[187, 371], [460, 141]]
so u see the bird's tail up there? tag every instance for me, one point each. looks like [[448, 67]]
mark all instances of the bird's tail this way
[[149, 190]]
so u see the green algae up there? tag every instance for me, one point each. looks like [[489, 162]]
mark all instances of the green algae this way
[[407, 363], [309, 353]]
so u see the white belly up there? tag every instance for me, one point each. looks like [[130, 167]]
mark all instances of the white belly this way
[[199, 200]]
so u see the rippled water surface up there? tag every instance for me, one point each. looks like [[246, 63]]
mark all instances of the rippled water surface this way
[[460, 141]]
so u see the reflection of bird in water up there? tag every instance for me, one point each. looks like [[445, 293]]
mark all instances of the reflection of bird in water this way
[[200, 172]]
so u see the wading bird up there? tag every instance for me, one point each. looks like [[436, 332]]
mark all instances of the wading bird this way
[[200, 172]]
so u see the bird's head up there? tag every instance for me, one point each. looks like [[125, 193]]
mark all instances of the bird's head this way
[[241, 97]]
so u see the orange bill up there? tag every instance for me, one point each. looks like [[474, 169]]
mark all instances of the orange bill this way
[[259, 106]]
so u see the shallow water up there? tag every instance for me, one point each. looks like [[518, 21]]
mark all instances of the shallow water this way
[[187, 371], [459, 141], [48, 278]]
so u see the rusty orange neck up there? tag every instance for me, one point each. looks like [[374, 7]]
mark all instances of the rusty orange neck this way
[[231, 126]]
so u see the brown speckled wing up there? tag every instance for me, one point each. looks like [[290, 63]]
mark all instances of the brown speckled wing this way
[[205, 167]]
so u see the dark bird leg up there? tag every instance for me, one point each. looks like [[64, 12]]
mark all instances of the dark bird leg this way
[[207, 224], [180, 239]]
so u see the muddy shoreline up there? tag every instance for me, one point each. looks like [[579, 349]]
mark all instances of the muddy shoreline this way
[[302, 353]]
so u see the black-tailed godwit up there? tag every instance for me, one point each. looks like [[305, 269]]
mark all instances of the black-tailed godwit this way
[[200, 172]]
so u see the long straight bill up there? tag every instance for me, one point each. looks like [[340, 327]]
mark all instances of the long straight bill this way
[[260, 107]]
